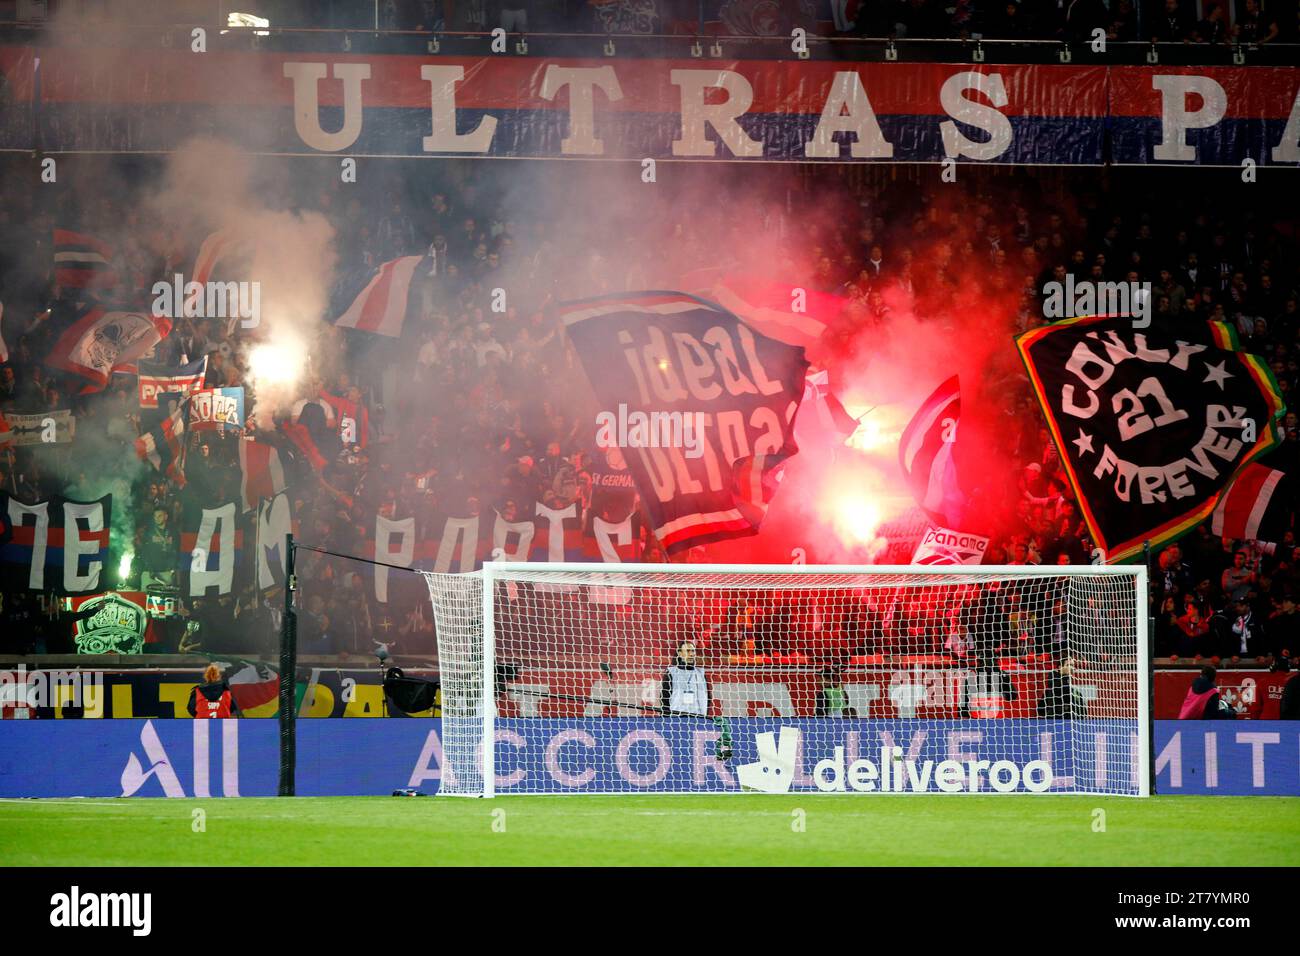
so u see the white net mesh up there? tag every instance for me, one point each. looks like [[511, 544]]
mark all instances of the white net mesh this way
[[687, 679]]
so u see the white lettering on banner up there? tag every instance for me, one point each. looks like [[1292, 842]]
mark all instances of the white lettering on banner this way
[[528, 697], [431, 764], [516, 776], [551, 758], [704, 759], [462, 532], [210, 405], [610, 536], [775, 771], [1158, 482], [1257, 742], [719, 99], [274, 523], [444, 139], [1288, 148], [956, 144], [848, 110], [216, 522], [555, 528], [1171, 757], [306, 103], [40, 537], [159, 765], [721, 116], [1176, 119], [623, 764], [522, 531], [229, 757], [402, 555], [581, 139], [75, 545]]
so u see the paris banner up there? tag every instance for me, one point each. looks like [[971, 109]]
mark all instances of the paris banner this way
[[1152, 423], [701, 406]]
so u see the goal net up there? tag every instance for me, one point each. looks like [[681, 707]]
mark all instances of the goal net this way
[[565, 678]]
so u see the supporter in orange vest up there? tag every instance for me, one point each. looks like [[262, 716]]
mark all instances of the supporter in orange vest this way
[[212, 700]]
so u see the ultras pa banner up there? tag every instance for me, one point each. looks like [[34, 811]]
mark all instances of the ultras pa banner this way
[[404, 105], [1152, 424]]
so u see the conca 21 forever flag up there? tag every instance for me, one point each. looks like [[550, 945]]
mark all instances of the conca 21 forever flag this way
[[700, 405], [1152, 423]]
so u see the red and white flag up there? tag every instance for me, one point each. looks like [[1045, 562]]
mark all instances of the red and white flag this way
[[263, 474], [925, 452], [792, 314], [82, 262], [381, 306], [164, 444], [1254, 507], [97, 343], [824, 417], [215, 246]]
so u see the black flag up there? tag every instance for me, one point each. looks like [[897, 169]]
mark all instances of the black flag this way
[[1151, 423], [700, 406]]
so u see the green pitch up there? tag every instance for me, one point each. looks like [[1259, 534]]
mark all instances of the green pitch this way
[[650, 830]]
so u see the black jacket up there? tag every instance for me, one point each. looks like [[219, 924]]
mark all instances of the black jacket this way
[[1289, 706]]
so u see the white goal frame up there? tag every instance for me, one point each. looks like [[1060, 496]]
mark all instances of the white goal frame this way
[[494, 570]]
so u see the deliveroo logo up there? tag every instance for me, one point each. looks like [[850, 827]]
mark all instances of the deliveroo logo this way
[[773, 771]]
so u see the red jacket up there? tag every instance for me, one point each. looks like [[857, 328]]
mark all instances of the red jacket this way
[[212, 702]]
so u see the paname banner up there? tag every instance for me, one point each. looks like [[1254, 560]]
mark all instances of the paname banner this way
[[762, 110], [945, 546]]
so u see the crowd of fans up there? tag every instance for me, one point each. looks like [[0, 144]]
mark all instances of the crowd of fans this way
[[473, 411], [1164, 21]]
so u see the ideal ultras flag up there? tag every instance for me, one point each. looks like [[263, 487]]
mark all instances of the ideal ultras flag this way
[[1152, 423], [664, 360]]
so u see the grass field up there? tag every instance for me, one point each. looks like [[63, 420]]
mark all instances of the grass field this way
[[651, 830]]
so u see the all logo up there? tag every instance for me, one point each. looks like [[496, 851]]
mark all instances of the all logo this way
[[157, 764]]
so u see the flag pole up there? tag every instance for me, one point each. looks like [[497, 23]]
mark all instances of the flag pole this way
[[288, 674], [1150, 664]]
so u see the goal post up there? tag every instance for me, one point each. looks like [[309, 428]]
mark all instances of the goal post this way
[[659, 678]]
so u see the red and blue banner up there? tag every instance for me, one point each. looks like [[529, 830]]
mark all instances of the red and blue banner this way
[[762, 110], [57, 545]]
